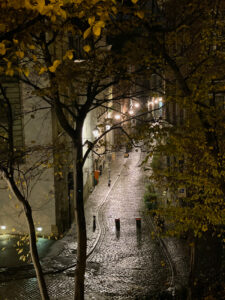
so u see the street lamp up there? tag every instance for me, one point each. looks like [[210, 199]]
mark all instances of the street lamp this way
[[117, 117], [131, 112], [95, 132]]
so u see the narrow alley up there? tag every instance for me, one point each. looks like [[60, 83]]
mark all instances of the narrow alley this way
[[122, 264]]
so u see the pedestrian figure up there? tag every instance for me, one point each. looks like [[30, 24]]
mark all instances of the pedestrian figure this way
[[94, 223], [109, 183]]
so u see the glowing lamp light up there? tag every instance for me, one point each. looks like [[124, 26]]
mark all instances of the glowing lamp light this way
[[79, 60], [136, 104], [131, 112], [3, 227], [156, 100], [107, 127], [39, 229], [95, 132], [117, 117]]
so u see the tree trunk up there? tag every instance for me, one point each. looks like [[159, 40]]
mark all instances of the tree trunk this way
[[80, 223], [32, 237], [34, 253], [192, 270]]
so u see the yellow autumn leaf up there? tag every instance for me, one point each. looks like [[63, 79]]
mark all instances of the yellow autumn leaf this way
[[134, 1], [100, 24], [96, 30], [20, 54], [140, 14], [87, 48], [91, 20], [87, 33], [81, 14], [40, 5], [20, 251], [9, 72], [31, 47], [53, 18], [28, 5], [13, 230], [42, 70], [53, 68], [3, 249], [26, 72], [2, 49], [204, 228], [63, 13], [69, 54], [15, 41], [114, 9]]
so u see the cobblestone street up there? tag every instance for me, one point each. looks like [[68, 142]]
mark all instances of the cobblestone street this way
[[125, 264]]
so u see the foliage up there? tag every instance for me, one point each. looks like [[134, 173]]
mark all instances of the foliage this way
[[58, 50], [157, 162], [150, 197], [193, 147]]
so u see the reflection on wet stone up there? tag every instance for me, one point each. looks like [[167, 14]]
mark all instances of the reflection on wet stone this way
[[124, 266]]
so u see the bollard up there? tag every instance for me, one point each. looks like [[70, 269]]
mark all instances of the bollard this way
[[117, 222], [109, 183], [138, 223], [94, 223]]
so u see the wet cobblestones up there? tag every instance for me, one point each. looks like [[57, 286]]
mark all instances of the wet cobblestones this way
[[124, 265]]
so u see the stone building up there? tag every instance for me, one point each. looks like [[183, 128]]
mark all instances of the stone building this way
[[44, 169]]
